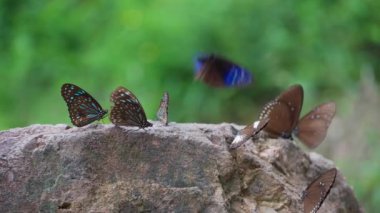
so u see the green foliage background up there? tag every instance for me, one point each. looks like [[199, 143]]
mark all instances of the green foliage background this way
[[149, 47]]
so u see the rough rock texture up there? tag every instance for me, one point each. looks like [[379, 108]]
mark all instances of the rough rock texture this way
[[175, 168]]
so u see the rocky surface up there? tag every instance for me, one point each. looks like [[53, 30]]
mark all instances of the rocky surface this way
[[175, 168]]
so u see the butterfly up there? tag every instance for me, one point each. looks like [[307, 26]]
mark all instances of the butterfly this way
[[83, 108], [317, 191], [162, 113], [127, 110], [284, 113], [312, 128], [248, 132], [219, 72]]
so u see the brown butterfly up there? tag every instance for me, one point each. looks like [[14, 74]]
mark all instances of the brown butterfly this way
[[127, 110], [284, 113], [248, 132], [317, 191], [162, 113], [312, 128]]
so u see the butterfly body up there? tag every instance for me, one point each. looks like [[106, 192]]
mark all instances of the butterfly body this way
[[83, 108], [219, 72], [162, 113], [317, 191], [127, 110]]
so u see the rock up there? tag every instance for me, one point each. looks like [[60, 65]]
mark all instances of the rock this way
[[175, 168]]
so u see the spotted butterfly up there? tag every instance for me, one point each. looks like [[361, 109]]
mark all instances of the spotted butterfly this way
[[317, 191], [83, 108], [284, 113], [162, 113], [127, 110], [219, 72], [312, 127]]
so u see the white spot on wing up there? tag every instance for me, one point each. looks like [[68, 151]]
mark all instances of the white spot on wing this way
[[255, 124], [237, 140]]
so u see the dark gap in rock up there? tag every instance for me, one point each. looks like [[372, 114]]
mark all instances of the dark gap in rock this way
[[279, 168], [64, 205]]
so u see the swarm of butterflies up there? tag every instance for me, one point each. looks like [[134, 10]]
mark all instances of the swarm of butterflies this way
[[280, 118]]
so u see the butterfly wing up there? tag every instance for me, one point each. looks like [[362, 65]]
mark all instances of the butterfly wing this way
[[162, 113], [258, 126], [312, 128], [206, 71], [127, 110], [83, 108], [283, 112], [317, 191], [219, 72], [248, 132]]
